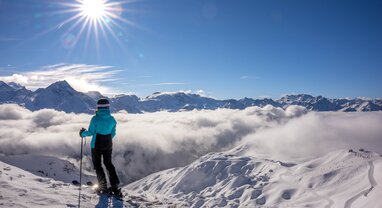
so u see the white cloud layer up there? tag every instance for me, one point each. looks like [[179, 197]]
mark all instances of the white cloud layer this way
[[318, 133], [146, 143], [81, 77]]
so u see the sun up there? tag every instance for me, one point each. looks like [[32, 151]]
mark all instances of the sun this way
[[93, 9], [94, 19]]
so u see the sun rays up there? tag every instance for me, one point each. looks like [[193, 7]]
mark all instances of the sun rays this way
[[94, 20], [93, 9]]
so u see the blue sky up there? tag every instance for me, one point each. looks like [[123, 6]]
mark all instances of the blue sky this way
[[227, 48]]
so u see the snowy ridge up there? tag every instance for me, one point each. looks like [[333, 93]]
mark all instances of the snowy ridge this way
[[338, 179], [19, 187], [48, 167], [61, 96]]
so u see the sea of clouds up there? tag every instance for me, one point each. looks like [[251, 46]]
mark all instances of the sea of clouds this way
[[147, 143], [316, 134]]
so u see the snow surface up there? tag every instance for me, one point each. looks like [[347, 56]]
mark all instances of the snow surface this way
[[344, 178], [48, 167], [339, 179], [21, 188]]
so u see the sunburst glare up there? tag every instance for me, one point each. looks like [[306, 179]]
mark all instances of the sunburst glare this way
[[93, 9], [95, 19]]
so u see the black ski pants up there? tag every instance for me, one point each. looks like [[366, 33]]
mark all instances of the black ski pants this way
[[97, 154]]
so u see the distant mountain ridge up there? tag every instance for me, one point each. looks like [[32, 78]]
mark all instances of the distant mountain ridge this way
[[61, 96]]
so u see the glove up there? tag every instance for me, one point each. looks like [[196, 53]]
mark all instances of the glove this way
[[82, 130]]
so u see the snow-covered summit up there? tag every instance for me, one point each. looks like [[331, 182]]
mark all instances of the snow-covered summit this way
[[61, 86], [14, 93], [15, 86], [297, 98], [156, 95], [4, 87], [61, 96]]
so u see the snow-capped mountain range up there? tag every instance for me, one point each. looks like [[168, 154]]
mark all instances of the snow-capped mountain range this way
[[61, 96]]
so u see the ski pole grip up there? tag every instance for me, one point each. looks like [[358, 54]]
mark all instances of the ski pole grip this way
[[80, 133]]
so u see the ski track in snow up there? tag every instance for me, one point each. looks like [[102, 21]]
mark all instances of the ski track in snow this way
[[373, 184]]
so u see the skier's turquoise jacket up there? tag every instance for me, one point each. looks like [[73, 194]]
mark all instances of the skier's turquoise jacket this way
[[103, 123]]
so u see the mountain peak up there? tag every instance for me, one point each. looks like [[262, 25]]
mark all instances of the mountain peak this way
[[161, 94], [175, 93], [2, 83], [94, 94], [61, 85], [15, 85], [5, 86], [297, 98]]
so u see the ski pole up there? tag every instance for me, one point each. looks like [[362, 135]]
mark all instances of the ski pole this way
[[79, 192]]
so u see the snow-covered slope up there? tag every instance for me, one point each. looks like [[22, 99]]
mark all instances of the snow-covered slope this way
[[19, 188], [339, 179], [48, 167], [343, 178], [43, 181]]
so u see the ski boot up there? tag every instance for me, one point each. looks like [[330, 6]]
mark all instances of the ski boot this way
[[116, 192]]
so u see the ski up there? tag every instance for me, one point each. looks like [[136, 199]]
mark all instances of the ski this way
[[119, 198], [109, 193]]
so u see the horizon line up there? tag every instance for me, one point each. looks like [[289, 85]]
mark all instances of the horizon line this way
[[192, 93]]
